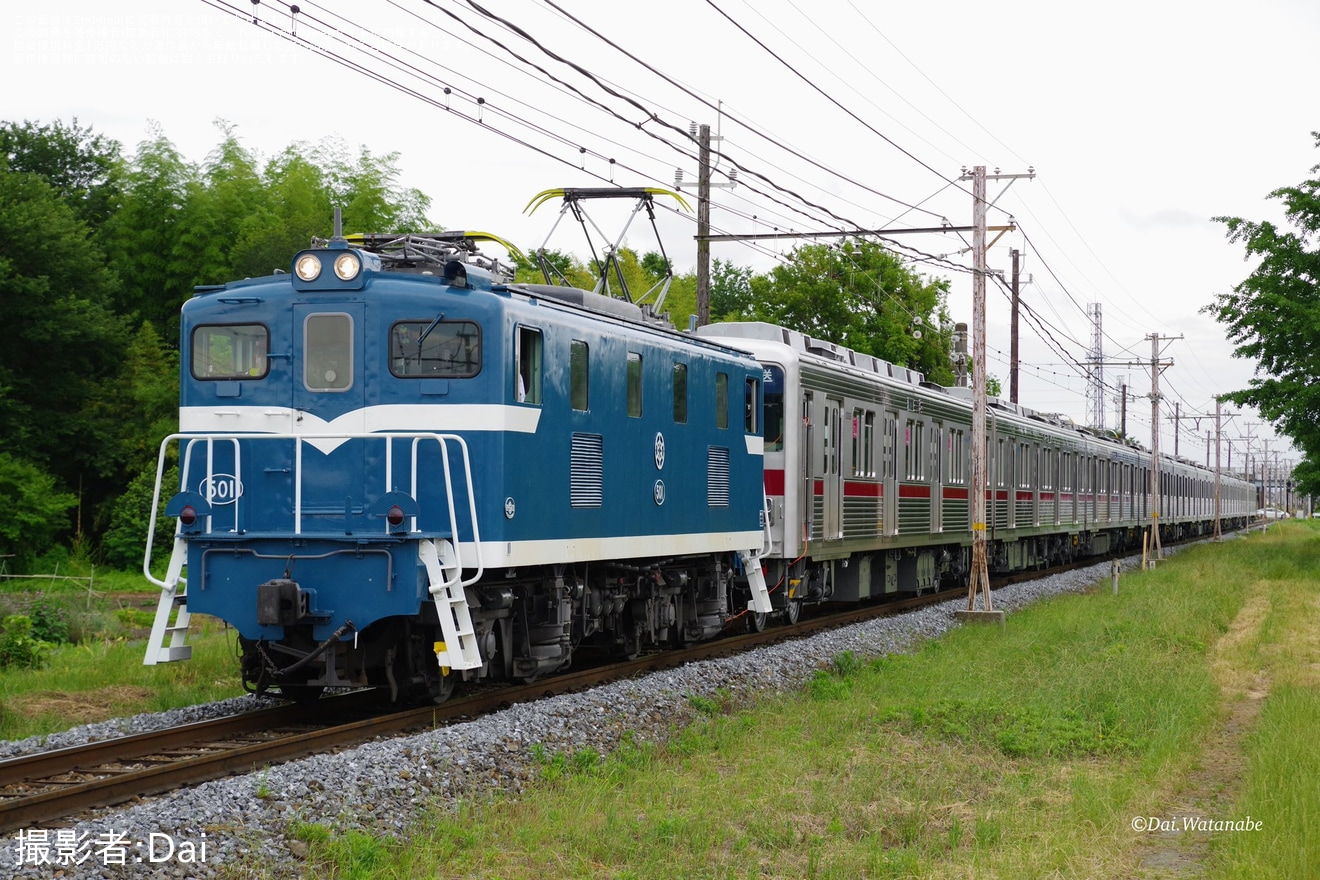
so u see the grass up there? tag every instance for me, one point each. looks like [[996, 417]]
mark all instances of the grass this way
[[1021, 753], [97, 673], [1281, 762]]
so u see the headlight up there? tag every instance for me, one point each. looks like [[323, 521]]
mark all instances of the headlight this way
[[347, 266], [308, 267]]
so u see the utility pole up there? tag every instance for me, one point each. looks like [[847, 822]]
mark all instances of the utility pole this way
[[703, 226], [1157, 550], [980, 576], [1122, 425], [979, 580], [1177, 428], [1013, 335], [701, 134], [1219, 536]]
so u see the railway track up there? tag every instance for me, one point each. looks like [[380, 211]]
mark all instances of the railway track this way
[[45, 787]]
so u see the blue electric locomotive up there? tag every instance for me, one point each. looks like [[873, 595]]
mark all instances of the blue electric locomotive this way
[[397, 469]]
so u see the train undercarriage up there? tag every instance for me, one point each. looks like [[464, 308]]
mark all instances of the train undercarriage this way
[[525, 625]]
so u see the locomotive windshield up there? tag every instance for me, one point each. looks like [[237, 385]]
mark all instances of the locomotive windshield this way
[[328, 352], [230, 351], [450, 350]]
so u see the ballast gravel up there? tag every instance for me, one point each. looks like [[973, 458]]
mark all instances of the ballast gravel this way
[[383, 786]]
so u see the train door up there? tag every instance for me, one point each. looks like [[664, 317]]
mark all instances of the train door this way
[[889, 472], [329, 396], [807, 468], [831, 469], [936, 477]]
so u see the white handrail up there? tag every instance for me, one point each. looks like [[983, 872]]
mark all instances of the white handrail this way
[[187, 443]]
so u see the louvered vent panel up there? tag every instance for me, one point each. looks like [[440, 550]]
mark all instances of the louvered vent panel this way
[[586, 468], [717, 477]]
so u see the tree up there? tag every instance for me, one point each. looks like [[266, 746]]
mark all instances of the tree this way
[[1273, 318], [156, 274], [33, 512], [96, 256], [82, 167], [863, 296], [369, 192], [730, 289]]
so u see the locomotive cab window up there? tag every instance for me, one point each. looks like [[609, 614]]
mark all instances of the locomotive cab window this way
[[231, 351], [634, 384], [527, 366], [578, 362], [680, 394], [750, 409], [722, 400], [328, 352], [435, 349]]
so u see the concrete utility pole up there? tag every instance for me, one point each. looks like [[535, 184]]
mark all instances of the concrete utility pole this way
[[1157, 550], [1219, 536], [980, 575], [703, 226], [1013, 336], [1177, 427], [979, 580], [1122, 421], [701, 134]]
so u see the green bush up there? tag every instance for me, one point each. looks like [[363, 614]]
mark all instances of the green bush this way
[[18, 646], [50, 620]]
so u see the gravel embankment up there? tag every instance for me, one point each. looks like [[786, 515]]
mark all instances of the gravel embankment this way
[[382, 785]]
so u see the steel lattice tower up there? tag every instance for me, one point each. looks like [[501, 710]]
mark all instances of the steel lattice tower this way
[[1095, 387]]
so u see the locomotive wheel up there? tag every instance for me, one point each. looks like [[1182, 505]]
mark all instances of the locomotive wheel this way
[[756, 621], [792, 611], [441, 687]]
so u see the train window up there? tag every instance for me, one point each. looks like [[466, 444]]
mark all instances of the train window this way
[[230, 351], [579, 360], [772, 381], [435, 349], [527, 366], [936, 450], [907, 451], [914, 464], [721, 400], [957, 457], [868, 444], [889, 457], [634, 384], [328, 352], [1024, 471], [680, 394], [856, 443], [750, 408]]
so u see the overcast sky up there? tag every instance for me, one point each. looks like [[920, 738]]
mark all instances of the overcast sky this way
[[1142, 120]]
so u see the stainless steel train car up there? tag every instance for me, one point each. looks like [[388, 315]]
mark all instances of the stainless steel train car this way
[[867, 472]]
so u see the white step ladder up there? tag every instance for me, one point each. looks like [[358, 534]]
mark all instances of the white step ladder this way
[[172, 600], [445, 574], [751, 562], [760, 601]]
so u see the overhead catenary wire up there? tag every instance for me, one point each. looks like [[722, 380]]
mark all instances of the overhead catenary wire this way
[[548, 139]]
